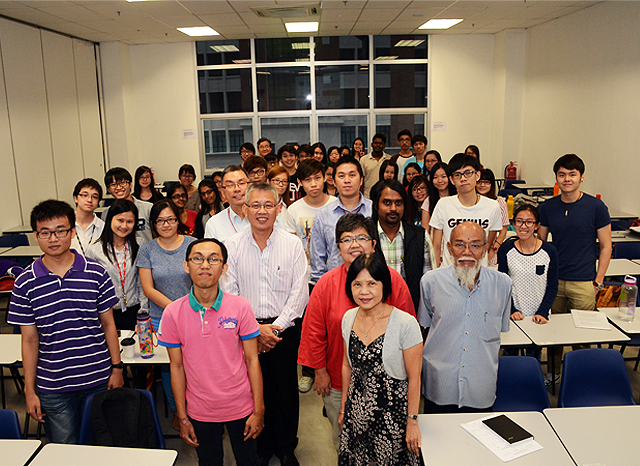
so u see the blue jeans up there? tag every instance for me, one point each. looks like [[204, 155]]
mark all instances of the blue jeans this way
[[165, 372], [64, 413]]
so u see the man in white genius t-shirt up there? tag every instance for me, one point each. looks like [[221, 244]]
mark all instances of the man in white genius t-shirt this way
[[467, 206]]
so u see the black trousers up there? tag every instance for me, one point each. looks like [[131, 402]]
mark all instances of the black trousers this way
[[282, 406], [211, 453]]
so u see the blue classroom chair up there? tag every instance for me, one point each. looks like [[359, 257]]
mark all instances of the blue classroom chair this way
[[520, 385], [626, 251], [594, 377], [9, 425]]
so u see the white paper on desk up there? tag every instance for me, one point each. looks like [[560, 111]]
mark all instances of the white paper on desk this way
[[496, 444], [590, 319]]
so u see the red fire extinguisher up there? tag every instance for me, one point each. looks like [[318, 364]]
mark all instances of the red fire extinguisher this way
[[511, 171]]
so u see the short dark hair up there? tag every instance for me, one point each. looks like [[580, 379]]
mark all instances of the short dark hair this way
[[461, 160], [383, 168], [379, 136], [341, 149], [88, 183], [486, 174], [271, 157], [419, 138], [322, 148], [377, 268], [569, 162], [415, 166], [351, 160], [159, 207], [223, 248], [119, 206], [473, 149], [309, 167], [50, 209], [404, 132], [248, 146], [306, 148], [527, 207], [253, 161], [351, 222], [188, 169], [116, 174], [216, 173], [376, 193], [233, 168], [263, 139], [287, 148], [171, 190]]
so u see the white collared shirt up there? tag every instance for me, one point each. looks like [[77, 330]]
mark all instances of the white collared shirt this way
[[224, 225], [85, 237], [274, 280]]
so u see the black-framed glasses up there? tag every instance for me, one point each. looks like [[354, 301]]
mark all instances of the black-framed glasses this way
[[257, 207], [528, 223], [93, 197], [239, 184], [279, 182], [164, 221], [466, 174], [46, 234], [179, 196], [350, 239], [257, 172], [199, 260], [119, 184]]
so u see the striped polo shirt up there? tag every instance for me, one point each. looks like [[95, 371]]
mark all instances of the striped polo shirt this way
[[72, 353]]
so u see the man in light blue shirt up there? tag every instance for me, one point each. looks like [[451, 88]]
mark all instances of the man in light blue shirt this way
[[324, 252], [465, 306]]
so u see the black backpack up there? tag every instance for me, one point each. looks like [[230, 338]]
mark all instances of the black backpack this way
[[122, 417]]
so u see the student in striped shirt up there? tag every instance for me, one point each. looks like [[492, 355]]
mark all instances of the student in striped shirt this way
[[63, 304]]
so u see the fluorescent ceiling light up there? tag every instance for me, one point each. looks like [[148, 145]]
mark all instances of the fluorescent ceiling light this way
[[199, 31], [263, 72], [303, 59], [302, 27], [224, 48], [387, 57], [242, 62], [300, 45], [408, 43], [440, 23]]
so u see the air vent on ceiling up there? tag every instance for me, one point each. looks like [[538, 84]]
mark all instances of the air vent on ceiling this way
[[299, 11]]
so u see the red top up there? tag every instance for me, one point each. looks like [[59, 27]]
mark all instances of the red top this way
[[191, 222], [322, 344]]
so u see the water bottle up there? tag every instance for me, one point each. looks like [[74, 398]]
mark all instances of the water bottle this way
[[628, 295], [144, 330], [510, 204]]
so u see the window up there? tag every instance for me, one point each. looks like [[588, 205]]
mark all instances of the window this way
[[342, 48], [284, 89], [341, 130], [394, 83], [221, 91], [222, 141], [223, 52], [342, 86], [282, 50], [285, 130]]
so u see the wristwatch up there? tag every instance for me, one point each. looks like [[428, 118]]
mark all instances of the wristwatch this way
[[599, 286], [120, 365], [412, 416]]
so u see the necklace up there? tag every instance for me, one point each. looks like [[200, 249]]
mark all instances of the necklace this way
[[366, 332], [123, 273], [535, 247]]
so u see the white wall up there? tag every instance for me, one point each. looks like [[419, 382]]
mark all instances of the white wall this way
[[582, 95], [50, 134], [150, 96]]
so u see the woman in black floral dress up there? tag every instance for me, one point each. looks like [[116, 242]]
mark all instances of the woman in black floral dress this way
[[381, 373]]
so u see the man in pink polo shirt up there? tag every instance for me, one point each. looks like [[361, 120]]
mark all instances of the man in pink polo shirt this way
[[211, 338]]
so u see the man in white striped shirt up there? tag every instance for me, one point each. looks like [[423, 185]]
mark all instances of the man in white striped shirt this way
[[268, 266]]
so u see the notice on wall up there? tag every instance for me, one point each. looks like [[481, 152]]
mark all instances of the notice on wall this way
[[439, 126], [188, 134]]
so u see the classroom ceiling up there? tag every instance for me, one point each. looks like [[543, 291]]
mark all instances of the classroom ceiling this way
[[155, 21]]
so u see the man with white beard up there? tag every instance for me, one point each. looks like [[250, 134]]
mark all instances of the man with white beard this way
[[465, 306]]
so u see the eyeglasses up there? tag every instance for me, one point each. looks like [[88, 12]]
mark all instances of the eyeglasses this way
[[118, 184], [179, 196], [350, 239], [279, 182], [246, 151], [473, 247], [199, 260], [257, 207], [46, 234], [484, 183], [145, 178], [419, 189], [93, 197], [164, 221], [466, 174], [208, 192], [528, 223], [187, 175], [257, 172], [231, 184]]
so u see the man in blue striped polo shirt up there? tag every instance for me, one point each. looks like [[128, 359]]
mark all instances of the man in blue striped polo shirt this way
[[62, 303]]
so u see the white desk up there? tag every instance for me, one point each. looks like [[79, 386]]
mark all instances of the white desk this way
[[10, 348], [28, 251], [55, 454], [17, 452], [514, 337], [622, 267], [619, 215], [445, 443], [598, 436], [624, 237], [18, 229], [160, 354], [627, 327], [3, 250]]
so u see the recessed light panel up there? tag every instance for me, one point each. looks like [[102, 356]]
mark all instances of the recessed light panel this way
[[440, 23], [199, 31], [302, 27]]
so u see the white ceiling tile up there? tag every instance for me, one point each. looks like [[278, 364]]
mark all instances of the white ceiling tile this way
[[74, 13], [247, 5], [378, 15], [340, 5], [161, 8], [251, 18], [225, 19], [182, 21], [110, 26], [33, 16], [395, 4], [418, 4], [113, 10], [339, 15], [208, 8], [12, 5]]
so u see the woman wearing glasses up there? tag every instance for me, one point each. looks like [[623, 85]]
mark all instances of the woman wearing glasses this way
[[178, 194], [210, 205], [162, 276], [532, 264], [116, 251], [144, 185], [187, 176], [418, 193], [278, 177]]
